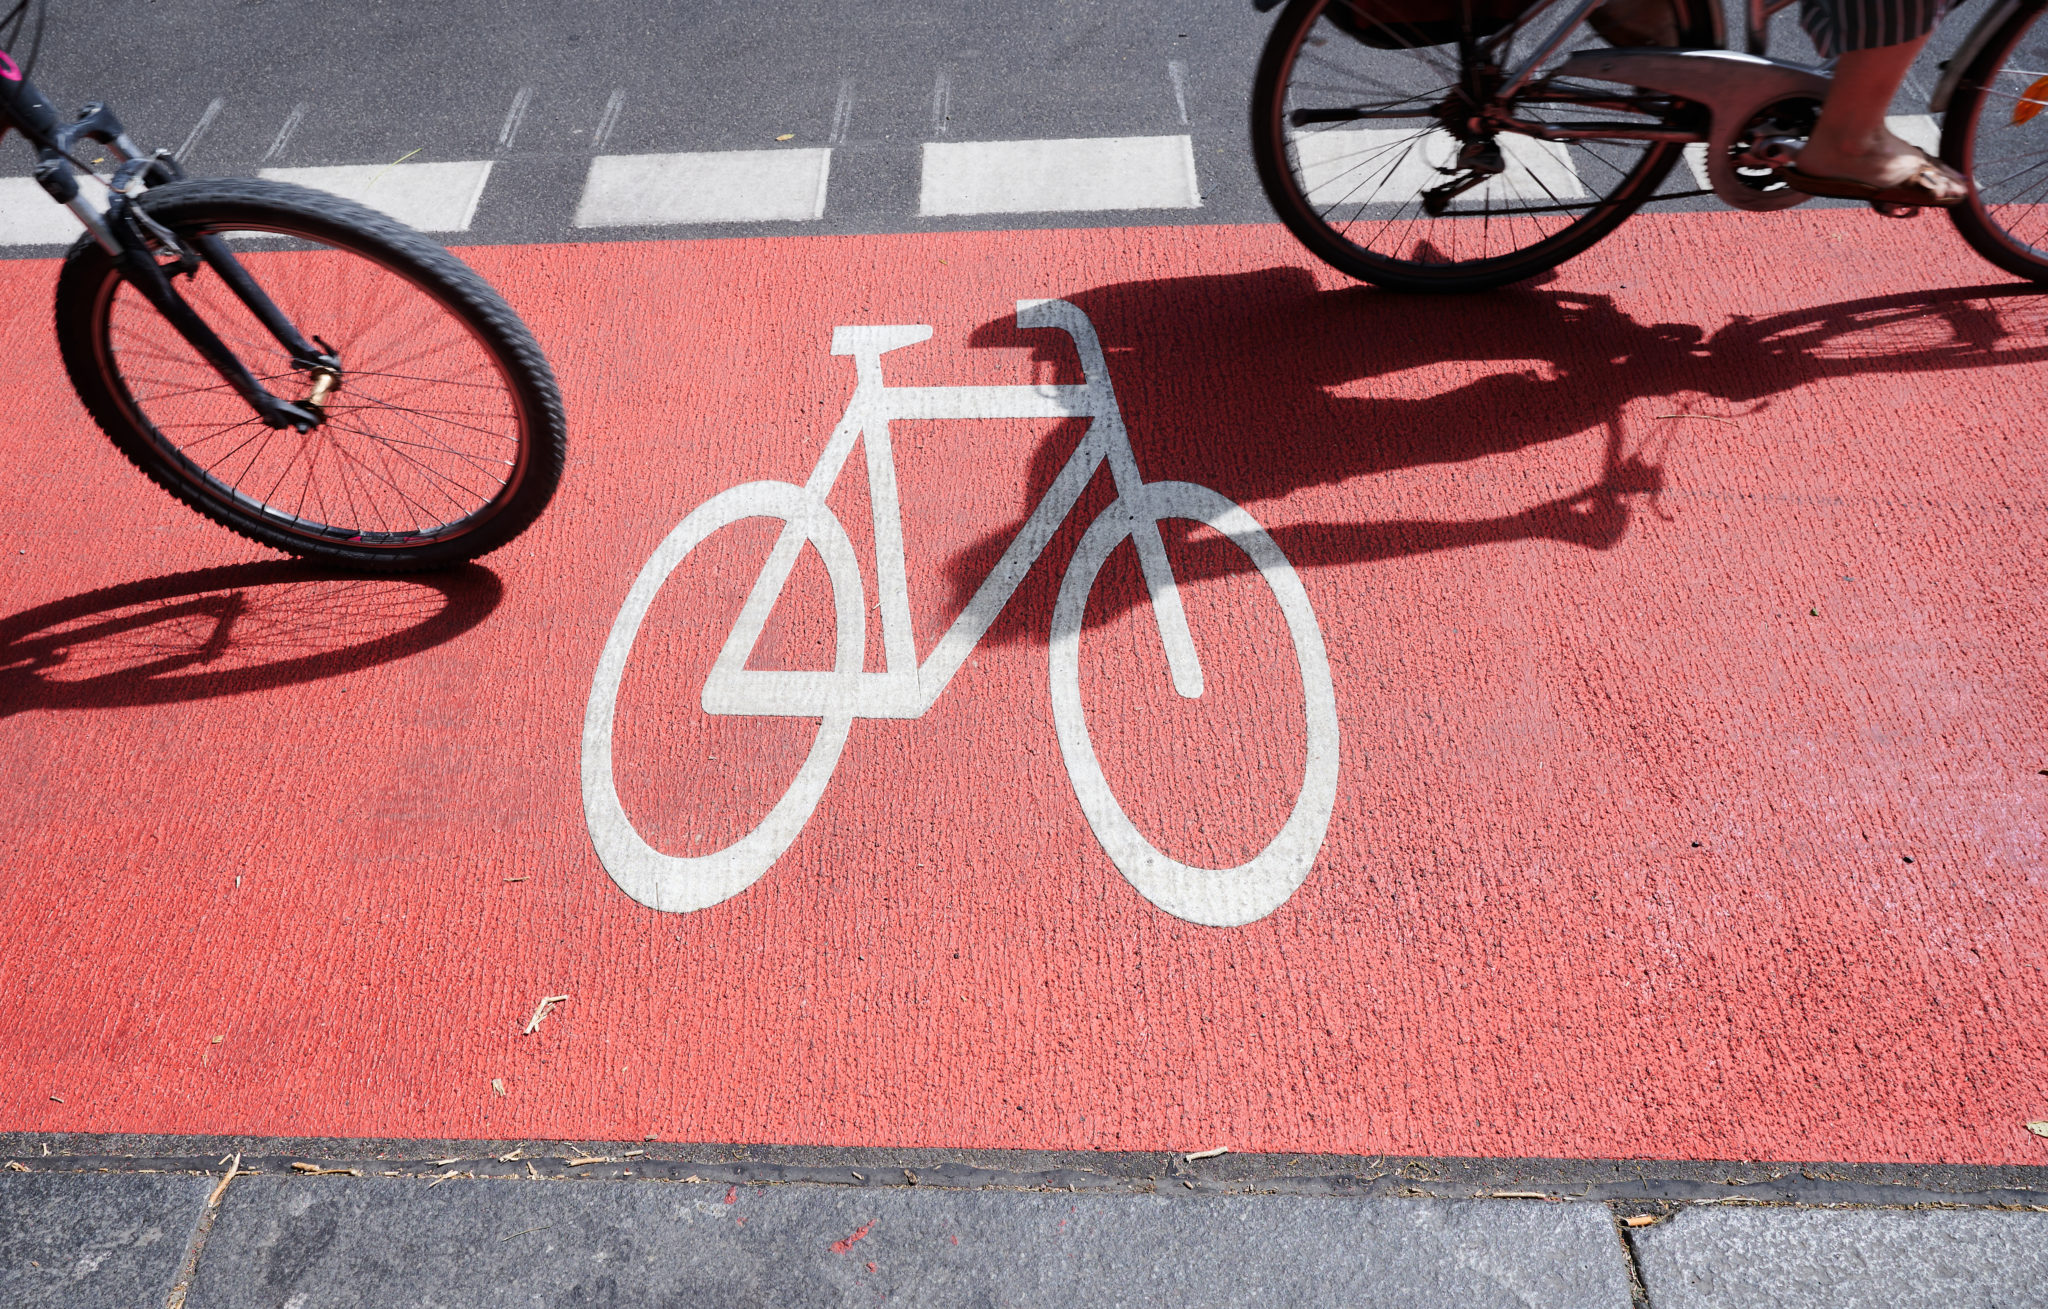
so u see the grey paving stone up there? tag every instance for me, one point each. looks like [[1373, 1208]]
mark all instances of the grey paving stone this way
[[83, 1241], [283, 1243], [1846, 1259]]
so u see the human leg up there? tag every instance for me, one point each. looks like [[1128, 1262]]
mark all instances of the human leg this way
[[1876, 41]]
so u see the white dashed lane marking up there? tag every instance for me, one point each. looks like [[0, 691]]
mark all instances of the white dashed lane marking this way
[[1058, 176], [1917, 129], [958, 178], [28, 216], [1365, 166], [726, 186], [432, 197]]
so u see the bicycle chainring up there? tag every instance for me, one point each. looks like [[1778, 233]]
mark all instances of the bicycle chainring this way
[[1746, 168]]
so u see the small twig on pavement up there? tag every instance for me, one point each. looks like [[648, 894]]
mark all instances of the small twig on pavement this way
[[222, 1189], [547, 1002], [542, 1228]]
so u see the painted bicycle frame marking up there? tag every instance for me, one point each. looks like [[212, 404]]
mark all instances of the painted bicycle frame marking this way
[[905, 688]]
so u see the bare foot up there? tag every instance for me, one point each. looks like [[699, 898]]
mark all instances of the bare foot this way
[[1881, 159]]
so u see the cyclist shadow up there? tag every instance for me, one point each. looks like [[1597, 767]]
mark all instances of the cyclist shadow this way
[[228, 631], [1259, 384]]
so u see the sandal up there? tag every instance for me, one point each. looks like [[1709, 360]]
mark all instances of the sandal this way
[[1921, 190]]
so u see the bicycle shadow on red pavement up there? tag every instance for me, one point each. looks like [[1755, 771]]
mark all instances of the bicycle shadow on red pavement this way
[[1272, 407], [228, 631]]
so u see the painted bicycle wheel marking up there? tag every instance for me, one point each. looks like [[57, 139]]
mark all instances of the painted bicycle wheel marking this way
[[906, 689]]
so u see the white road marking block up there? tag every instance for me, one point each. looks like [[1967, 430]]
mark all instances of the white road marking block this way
[[1696, 159], [724, 186], [1361, 166], [1059, 176], [439, 197], [1917, 129], [28, 216]]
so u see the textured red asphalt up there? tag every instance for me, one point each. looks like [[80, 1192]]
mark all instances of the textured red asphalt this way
[[1629, 782]]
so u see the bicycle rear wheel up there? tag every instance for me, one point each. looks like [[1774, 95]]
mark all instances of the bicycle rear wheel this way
[[1361, 128], [443, 439], [1995, 135]]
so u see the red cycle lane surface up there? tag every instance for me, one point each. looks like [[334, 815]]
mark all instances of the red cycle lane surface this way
[[1685, 624]]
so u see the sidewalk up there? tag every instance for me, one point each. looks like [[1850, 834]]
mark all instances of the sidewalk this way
[[455, 1224]]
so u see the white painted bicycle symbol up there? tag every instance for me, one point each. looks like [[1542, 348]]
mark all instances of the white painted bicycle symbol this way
[[906, 689]]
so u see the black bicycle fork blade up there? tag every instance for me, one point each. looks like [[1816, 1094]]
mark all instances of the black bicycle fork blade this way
[[147, 277], [222, 260]]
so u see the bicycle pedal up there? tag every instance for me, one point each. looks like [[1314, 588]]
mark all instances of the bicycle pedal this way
[[1891, 210]]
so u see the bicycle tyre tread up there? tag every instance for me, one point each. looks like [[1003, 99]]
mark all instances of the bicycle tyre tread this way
[[1958, 149], [461, 289], [1269, 154]]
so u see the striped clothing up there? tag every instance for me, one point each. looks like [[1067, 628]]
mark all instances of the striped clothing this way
[[1840, 25]]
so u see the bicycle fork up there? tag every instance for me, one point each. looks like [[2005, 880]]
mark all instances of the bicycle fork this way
[[905, 689], [129, 237]]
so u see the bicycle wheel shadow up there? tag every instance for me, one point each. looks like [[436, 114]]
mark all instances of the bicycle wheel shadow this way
[[1297, 387], [228, 631]]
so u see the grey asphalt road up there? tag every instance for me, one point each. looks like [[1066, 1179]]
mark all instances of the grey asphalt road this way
[[371, 82], [540, 87]]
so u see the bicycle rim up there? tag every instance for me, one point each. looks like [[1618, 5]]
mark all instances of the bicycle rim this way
[[424, 439], [1996, 134], [1360, 146]]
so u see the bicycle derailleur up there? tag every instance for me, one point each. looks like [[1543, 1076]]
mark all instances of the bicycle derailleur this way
[[1479, 159]]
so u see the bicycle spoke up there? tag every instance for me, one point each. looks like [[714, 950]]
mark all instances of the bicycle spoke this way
[[1413, 178], [422, 434]]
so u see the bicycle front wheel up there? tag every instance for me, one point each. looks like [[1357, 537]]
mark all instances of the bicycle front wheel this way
[[442, 440], [1363, 131], [1994, 134]]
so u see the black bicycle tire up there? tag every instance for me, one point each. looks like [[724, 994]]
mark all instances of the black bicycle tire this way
[[89, 277], [1959, 149], [1269, 153]]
